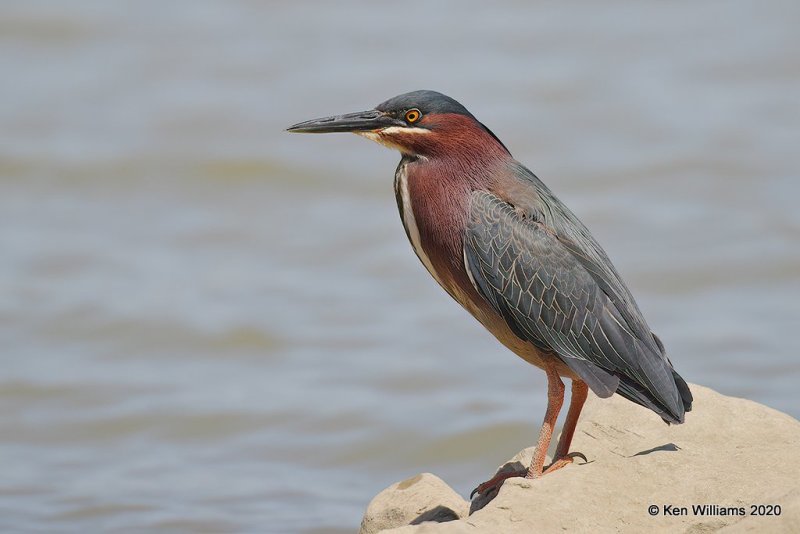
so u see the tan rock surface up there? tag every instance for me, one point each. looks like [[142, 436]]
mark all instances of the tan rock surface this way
[[730, 453], [421, 498]]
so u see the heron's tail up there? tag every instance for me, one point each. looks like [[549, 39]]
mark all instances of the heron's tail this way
[[683, 389], [634, 392]]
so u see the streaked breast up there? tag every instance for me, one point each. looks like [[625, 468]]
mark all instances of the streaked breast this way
[[406, 208]]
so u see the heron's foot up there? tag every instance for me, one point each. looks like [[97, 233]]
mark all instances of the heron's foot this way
[[558, 463], [493, 484]]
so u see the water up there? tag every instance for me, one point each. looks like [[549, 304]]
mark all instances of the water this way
[[210, 325]]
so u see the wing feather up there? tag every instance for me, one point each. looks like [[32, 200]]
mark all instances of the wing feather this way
[[555, 295]]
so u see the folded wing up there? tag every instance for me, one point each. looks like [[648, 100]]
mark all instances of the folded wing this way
[[554, 293]]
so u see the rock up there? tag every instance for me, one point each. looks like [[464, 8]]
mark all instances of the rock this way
[[424, 497], [730, 454], [790, 518]]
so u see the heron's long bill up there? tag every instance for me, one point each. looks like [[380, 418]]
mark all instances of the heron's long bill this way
[[362, 121]]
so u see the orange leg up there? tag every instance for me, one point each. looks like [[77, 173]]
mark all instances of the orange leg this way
[[555, 399], [562, 457]]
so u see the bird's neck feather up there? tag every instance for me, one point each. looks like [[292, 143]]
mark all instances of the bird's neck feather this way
[[458, 156], [456, 137], [439, 189]]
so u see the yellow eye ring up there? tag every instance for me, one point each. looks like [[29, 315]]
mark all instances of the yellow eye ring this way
[[412, 116]]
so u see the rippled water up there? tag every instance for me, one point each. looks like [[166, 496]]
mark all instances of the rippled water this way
[[209, 325]]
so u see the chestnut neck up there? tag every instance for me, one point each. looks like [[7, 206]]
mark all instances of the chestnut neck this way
[[458, 136]]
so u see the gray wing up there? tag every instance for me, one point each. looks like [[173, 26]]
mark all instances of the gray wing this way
[[555, 293]]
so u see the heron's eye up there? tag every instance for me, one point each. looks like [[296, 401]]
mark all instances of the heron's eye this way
[[412, 116]]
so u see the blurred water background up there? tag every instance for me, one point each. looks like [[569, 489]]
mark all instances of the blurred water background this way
[[210, 325]]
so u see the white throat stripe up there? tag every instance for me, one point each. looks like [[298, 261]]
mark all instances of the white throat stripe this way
[[404, 130]]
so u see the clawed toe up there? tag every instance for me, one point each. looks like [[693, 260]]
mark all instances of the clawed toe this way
[[578, 455], [558, 463], [495, 482]]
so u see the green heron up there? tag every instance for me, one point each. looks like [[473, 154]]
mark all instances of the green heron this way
[[509, 251]]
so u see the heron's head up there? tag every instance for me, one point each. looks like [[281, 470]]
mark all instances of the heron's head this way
[[419, 123]]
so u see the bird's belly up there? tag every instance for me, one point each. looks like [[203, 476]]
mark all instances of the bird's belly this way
[[494, 323], [479, 308]]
